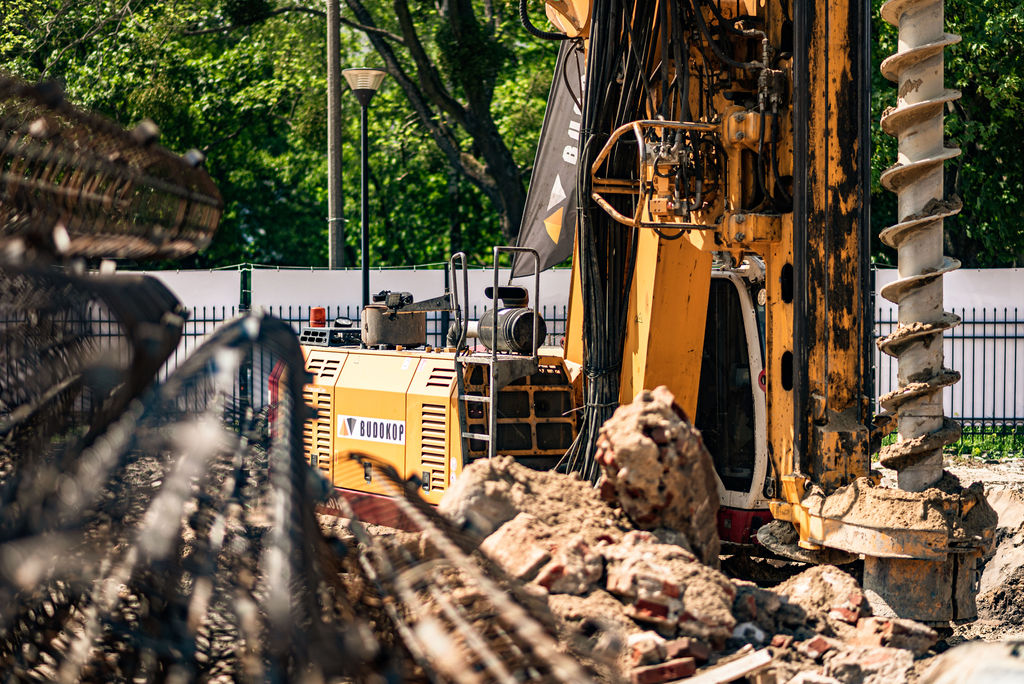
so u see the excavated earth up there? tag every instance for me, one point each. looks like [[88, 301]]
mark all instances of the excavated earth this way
[[633, 559]]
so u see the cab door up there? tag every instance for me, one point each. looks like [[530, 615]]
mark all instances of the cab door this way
[[731, 412]]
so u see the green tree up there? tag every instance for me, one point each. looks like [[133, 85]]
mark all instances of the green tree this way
[[244, 81], [987, 123]]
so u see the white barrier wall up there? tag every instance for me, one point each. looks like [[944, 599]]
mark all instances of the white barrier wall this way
[[988, 349], [198, 289], [211, 298], [967, 288], [276, 288]]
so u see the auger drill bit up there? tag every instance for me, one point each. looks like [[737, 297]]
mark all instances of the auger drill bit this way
[[918, 180], [934, 585]]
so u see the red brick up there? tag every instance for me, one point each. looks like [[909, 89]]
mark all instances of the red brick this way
[[663, 672], [816, 646], [748, 607], [670, 589], [688, 647], [875, 664], [646, 607], [895, 633], [620, 582], [848, 611], [646, 648], [782, 641], [845, 614], [551, 573]]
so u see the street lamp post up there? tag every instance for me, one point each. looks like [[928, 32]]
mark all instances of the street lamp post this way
[[364, 82]]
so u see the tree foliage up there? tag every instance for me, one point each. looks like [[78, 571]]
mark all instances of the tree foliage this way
[[452, 130], [987, 123], [244, 81]]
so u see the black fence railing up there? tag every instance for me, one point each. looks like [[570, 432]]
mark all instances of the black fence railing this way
[[554, 317], [987, 348]]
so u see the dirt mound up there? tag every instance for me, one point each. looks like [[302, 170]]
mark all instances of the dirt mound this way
[[656, 467], [978, 662], [556, 532], [1005, 601], [490, 492], [1001, 588], [652, 608]]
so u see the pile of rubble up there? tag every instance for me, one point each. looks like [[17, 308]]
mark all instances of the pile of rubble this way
[[632, 565]]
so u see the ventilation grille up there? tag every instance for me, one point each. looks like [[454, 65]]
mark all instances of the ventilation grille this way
[[441, 377], [316, 433], [432, 444], [324, 366]]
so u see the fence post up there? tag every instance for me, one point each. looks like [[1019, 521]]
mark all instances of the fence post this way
[[245, 388], [445, 316]]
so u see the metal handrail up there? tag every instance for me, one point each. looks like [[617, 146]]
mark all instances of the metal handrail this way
[[461, 320]]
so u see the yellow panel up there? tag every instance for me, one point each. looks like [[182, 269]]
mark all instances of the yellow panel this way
[[779, 340], [667, 310], [433, 450], [574, 324], [324, 365], [370, 413]]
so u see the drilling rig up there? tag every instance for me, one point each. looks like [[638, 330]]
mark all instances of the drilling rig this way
[[720, 159], [726, 133]]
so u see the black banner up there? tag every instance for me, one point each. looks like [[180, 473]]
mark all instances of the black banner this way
[[549, 219]]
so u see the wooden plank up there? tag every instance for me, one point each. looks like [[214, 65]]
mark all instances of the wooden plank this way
[[733, 669]]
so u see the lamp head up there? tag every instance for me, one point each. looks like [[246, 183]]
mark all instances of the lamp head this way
[[364, 82]]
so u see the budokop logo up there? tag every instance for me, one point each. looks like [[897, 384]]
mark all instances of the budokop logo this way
[[372, 429]]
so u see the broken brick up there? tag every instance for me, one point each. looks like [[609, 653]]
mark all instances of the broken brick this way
[[661, 475], [621, 581], [551, 573], [652, 608], [688, 647], [782, 641], [816, 646], [870, 664], [513, 546], [845, 614], [573, 569], [646, 648], [745, 606], [850, 609], [663, 672], [895, 633]]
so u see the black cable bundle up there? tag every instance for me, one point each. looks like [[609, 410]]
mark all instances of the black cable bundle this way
[[628, 79], [618, 90]]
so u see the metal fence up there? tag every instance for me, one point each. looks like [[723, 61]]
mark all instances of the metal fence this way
[[554, 317], [987, 348]]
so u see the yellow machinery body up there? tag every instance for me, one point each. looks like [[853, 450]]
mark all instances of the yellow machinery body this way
[[719, 131], [401, 407], [735, 130]]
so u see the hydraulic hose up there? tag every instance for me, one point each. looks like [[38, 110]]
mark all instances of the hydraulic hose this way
[[524, 17]]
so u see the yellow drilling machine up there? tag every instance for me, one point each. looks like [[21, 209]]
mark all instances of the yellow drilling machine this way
[[717, 167]]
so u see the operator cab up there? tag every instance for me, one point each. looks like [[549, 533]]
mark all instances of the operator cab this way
[[731, 410]]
